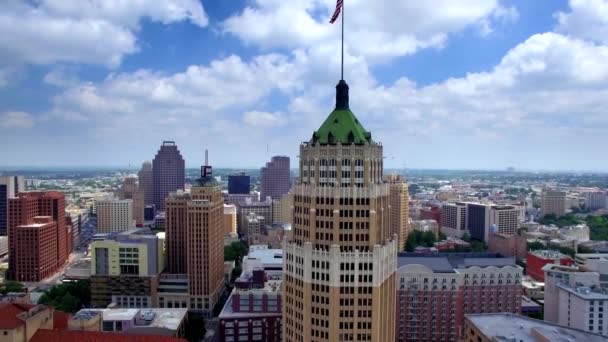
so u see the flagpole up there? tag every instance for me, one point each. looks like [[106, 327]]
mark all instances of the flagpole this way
[[342, 75]]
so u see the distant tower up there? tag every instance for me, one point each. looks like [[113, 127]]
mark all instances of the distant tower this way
[[275, 180], [131, 190], [145, 182], [168, 173], [195, 241], [339, 265]]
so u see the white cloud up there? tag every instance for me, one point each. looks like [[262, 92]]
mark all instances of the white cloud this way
[[95, 32], [16, 120], [587, 19], [264, 119], [377, 30]]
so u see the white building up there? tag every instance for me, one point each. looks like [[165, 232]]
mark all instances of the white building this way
[[594, 263], [558, 279], [262, 257], [595, 200], [114, 215], [579, 233], [583, 307]]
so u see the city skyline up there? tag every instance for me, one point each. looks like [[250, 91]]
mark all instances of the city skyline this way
[[481, 86]]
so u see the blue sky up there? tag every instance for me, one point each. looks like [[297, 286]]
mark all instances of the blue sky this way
[[475, 84]]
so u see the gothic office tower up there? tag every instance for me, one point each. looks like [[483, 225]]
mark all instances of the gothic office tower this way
[[195, 244], [339, 266], [168, 173]]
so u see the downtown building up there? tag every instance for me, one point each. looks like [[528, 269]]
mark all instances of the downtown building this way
[[339, 265], [479, 219], [275, 178], [131, 189], [574, 298], [399, 204], [553, 202], [114, 215], [125, 268], [168, 173], [253, 310], [10, 186], [195, 232], [239, 184], [434, 292], [40, 241], [146, 184]]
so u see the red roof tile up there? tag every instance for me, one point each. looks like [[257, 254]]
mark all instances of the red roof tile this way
[[43, 335], [8, 315]]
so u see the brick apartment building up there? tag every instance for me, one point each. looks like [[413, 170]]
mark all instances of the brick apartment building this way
[[536, 260], [434, 292]]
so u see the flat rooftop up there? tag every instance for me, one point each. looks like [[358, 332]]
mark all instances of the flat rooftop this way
[[266, 255], [228, 313], [509, 327], [449, 262], [585, 292], [162, 318]]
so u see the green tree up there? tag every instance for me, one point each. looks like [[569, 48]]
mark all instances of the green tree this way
[[535, 245], [195, 327], [466, 237], [410, 243], [68, 303], [11, 286]]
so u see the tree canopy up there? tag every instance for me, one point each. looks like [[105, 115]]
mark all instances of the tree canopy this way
[[69, 297]]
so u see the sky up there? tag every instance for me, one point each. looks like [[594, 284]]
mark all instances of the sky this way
[[442, 84]]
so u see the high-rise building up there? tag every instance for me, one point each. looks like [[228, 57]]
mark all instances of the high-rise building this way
[[195, 246], [10, 186], [253, 228], [281, 209], [39, 240], [504, 219], [435, 292], [114, 215], [339, 266], [229, 219], [258, 208], [553, 202], [131, 189], [399, 201], [453, 219], [146, 183], [239, 183], [168, 173], [274, 178]]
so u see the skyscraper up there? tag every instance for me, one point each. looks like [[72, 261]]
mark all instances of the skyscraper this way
[[168, 173], [131, 189], [39, 240], [195, 246], [339, 266], [10, 186], [239, 183], [399, 208], [274, 178], [145, 182]]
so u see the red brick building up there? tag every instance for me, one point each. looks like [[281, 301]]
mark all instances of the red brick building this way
[[510, 245], [536, 260], [431, 213], [435, 292], [39, 239]]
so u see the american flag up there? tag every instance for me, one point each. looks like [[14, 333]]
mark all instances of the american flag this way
[[336, 12]]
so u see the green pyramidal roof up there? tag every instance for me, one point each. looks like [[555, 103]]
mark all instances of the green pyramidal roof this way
[[341, 126]]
